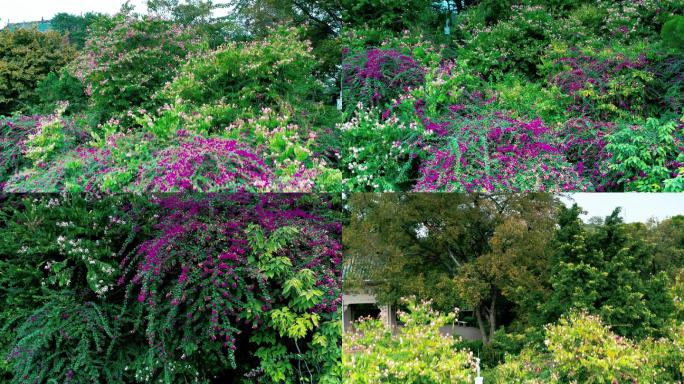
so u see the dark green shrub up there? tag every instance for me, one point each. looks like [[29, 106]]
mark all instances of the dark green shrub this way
[[61, 86], [672, 32], [26, 58]]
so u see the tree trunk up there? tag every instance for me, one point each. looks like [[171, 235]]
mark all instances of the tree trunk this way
[[480, 323], [492, 315], [488, 314]]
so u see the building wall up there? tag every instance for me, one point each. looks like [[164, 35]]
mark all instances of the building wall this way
[[388, 315]]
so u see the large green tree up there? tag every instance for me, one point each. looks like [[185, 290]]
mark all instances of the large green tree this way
[[484, 252], [26, 58], [608, 271], [75, 27]]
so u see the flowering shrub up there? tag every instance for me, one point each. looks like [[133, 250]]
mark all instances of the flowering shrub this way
[[300, 162], [219, 267], [170, 288], [527, 367], [584, 144], [581, 348], [13, 135], [48, 138], [127, 59], [377, 76], [494, 153], [514, 44], [199, 164], [585, 350], [418, 353], [666, 91], [602, 87], [380, 155], [184, 162], [666, 355]]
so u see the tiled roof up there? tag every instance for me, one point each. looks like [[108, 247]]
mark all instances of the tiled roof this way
[[360, 268]]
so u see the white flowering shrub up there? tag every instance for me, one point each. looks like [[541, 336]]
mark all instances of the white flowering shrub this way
[[380, 153]]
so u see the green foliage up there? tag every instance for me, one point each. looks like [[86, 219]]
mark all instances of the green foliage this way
[[13, 134], [61, 86], [381, 155], [127, 59], [607, 272], [247, 77], [665, 354], [67, 341], [26, 58], [418, 353], [583, 349], [644, 155], [48, 139], [74, 27], [515, 44], [56, 267], [198, 14], [390, 15], [501, 270], [672, 32]]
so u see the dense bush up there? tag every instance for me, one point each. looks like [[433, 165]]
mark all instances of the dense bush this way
[[672, 32], [579, 71], [417, 354], [491, 153], [585, 350], [648, 156], [582, 348], [170, 288], [377, 76], [601, 87], [249, 76], [127, 59], [380, 155], [61, 86], [26, 58]]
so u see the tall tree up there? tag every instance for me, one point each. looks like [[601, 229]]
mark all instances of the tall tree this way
[[609, 272], [26, 58], [74, 27], [484, 252]]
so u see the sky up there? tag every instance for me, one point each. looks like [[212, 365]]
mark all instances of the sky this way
[[636, 207], [16, 11]]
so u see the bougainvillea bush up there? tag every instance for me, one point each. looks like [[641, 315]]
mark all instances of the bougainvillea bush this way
[[536, 97], [165, 113], [170, 288]]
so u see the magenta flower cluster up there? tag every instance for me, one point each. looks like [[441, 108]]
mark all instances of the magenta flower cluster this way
[[207, 164], [598, 76], [496, 152], [375, 76], [199, 270]]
